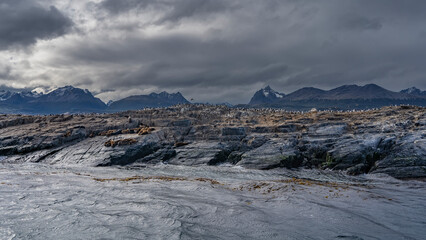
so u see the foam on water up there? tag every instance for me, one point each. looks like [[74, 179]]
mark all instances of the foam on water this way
[[177, 202]]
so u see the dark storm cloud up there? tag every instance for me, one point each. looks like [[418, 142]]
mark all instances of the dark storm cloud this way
[[360, 23], [224, 50], [191, 8], [116, 7], [200, 77], [22, 22], [170, 10], [335, 78], [179, 61]]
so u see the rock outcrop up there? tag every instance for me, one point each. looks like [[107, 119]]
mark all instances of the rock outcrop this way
[[390, 140]]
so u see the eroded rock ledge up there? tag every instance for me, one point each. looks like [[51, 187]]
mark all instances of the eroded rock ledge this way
[[389, 140]]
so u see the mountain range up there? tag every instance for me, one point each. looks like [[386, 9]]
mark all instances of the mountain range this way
[[162, 99], [345, 97], [69, 99]]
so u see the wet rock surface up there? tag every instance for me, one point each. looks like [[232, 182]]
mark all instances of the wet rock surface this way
[[389, 140]]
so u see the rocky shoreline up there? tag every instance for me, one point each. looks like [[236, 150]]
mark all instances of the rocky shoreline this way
[[390, 140]]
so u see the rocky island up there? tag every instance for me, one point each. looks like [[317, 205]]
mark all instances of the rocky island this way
[[389, 140]]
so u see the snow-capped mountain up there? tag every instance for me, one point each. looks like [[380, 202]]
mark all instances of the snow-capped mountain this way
[[65, 99], [344, 97], [266, 95], [69, 94], [5, 94], [414, 91], [69, 99]]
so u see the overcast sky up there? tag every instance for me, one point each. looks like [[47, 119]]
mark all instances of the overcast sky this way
[[211, 50]]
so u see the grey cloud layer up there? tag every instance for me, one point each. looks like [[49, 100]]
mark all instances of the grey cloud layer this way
[[169, 10], [216, 50], [23, 22]]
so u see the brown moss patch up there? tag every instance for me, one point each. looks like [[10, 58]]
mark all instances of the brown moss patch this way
[[109, 133], [121, 142], [67, 134], [160, 178], [145, 130], [142, 178], [214, 182]]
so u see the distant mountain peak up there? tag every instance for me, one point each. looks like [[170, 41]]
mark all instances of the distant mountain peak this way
[[267, 88], [414, 91], [411, 90], [69, 91], [171, 96], [266, 95], [372, 85]]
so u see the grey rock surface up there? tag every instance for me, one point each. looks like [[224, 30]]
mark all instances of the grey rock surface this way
[[271, 154], [389, 140]]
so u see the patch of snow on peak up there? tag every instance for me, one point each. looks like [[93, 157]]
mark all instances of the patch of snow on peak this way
[[278, 95], [412, 90], [51, 90], [39, 91], [265, 93]]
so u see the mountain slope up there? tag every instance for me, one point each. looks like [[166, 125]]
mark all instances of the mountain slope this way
[[369, 91], [266, 95], [305, 94], [67, 99], [62, 100], [414, 91], [162, 99]]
